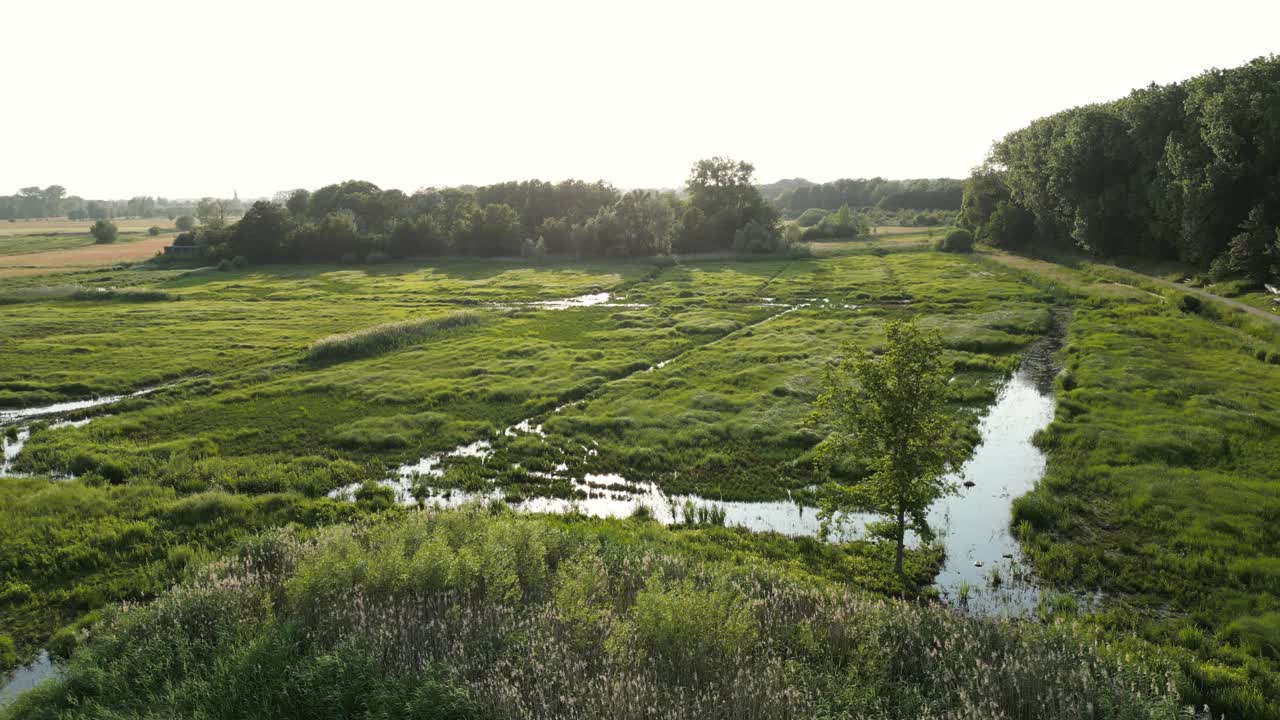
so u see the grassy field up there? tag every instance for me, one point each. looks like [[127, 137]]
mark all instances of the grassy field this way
[[39, 247], [85, 256], [282, 384], [63, 226]]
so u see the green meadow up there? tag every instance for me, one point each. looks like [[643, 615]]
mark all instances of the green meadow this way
[[278, 385]]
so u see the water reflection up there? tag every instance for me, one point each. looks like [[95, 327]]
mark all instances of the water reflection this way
[[26, 676]]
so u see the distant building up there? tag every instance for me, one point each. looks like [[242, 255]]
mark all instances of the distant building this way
[[182, 250]]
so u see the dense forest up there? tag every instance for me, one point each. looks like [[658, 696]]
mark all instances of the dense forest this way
[[358, 221], [1188, 171]]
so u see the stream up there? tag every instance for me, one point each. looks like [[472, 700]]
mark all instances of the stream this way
[[983, 570], [17, 422], [973, 524], [25, 677]]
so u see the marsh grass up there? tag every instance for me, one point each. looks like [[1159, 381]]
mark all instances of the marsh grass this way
[[385, 337], [1159, 490], [503, 616]]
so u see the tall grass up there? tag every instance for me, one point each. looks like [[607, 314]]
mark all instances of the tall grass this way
[[384, 338], [515, 616]]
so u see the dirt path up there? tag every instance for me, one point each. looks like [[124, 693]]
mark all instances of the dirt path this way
[[1256, 312], [1079, 277], [81, 258]]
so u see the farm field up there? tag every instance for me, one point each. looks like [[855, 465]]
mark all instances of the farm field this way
[[38, 247], [277, 395], [128, 249], [63, 226]]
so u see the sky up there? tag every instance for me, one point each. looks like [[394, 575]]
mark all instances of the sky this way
[[116, 98]]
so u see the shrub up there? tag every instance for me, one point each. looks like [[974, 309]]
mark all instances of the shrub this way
[[556, 619], [811, 217], [184, 223], [957, 241], [1189, 303], [8, 653], [63, 643], [756, 238], [374, 496], [103, 232], [153, 231], [1038, 509]]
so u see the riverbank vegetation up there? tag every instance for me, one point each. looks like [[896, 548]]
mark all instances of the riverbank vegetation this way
[[468, 614]]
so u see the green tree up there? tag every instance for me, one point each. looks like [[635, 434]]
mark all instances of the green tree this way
[[212, 212], [103, 232], [297, 202], [184, 222], [495, 230], [811, 217], [418, 235], [1251, 253], [53, 196], [889, 414], [756, 238], [724, 191], [646, 224], [260, 235], [453, 213], [957, 241]]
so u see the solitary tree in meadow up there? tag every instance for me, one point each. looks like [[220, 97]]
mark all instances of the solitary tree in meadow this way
[[888, 413], [103, 232]]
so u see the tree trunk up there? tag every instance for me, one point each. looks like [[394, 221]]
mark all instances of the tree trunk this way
[[902, 522]]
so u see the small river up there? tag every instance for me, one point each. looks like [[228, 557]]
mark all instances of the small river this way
[[973, 524]]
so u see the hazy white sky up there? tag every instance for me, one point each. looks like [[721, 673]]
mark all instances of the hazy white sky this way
[[124, 97]]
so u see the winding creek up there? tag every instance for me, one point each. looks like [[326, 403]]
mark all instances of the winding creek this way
[[17, 422], [973, 524], [983, 570]]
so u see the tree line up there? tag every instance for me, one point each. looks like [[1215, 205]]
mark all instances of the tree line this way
[[354, 221], [1188, 171], [36, 203], [795, 196]]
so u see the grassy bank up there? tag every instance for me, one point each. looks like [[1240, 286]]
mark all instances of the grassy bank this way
[[1160, 489], [468, 615]]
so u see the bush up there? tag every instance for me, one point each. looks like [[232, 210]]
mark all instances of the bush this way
[[184, 223], [8, 653], [63, 643], [844, 223], [1189, 304], [811, 217], [374, 496], [562, 619], [153, 231], [957, 241], [756, 238], [104, 232]]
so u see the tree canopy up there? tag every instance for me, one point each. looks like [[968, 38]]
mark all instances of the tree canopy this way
[[889, 413], [356, 219], [1188, 171]]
